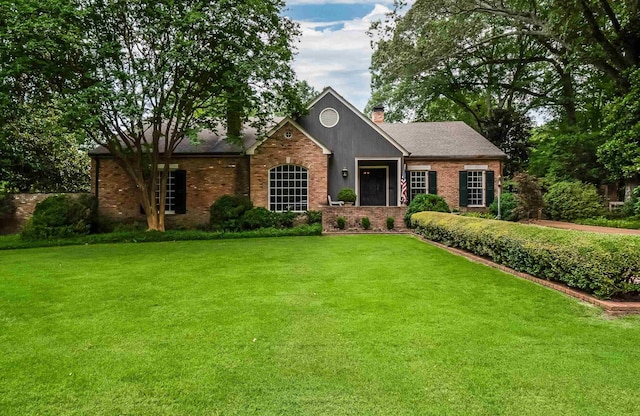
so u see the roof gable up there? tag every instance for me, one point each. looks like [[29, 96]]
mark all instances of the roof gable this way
[[251, 150], [329, 98]]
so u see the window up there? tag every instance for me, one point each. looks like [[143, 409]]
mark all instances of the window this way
[[175, 199], [417, 183], [329, 117], [422, 182], [288, 188], [170, 198], [476, 188], [475, 185]]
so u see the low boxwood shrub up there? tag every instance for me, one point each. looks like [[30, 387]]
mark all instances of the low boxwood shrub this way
[[391, 222], [258, 217], [314, 217], [61, 216], [606, 265], [347, 195], [425, 202], [572, 200], [225, 213], [285, 219], [508, 205], [366, 223], [341, 222]]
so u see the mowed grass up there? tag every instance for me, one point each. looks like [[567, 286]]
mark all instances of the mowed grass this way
[[334, 325]]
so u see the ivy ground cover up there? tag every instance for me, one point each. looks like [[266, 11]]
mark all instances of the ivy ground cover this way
[[334, 325]]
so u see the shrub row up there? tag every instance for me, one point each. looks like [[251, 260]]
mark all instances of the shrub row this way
[[603, 264], [236, 213], [14, 242]]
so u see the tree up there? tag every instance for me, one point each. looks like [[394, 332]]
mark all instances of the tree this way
[[430, 65], [562, 153], [306, 92], [141, 76], [620, 152], [528, 196], [564, 60], [37, 154]]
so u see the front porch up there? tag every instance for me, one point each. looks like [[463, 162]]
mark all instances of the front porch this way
[[377, 182], [354, 214]]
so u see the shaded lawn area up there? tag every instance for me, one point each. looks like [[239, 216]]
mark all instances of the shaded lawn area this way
[[370, 324]]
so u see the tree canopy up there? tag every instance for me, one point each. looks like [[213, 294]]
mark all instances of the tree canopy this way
[[479, 60], [141, 76]]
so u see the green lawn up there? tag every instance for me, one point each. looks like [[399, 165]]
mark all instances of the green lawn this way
[[366, 324]]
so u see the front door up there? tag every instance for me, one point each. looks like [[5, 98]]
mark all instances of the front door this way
[[373, 186]]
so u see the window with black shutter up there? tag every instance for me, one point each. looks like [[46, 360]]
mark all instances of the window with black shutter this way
[[175, 201], [476, 188]]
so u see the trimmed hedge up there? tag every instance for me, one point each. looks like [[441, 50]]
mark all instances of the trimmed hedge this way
[[606, 265], [11, 242]]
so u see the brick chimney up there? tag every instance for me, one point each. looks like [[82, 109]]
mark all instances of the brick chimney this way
[[378, 114]]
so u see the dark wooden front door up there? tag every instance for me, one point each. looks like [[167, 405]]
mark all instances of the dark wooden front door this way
[[373, 186]]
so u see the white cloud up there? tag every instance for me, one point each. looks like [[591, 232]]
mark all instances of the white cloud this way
[[338, 54]]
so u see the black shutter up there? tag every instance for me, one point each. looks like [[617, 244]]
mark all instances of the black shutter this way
[[180, 193], [433, 182], [489, 186], [142, 211], [464, 192]]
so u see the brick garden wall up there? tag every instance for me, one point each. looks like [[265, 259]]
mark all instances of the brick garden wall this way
[[208, 178], [297, 150], [448, 177], [25, 205], [377, 215]]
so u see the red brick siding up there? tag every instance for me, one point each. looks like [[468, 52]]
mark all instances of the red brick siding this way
[[208, 178], [448, 177], [377, 215], [297, 150]]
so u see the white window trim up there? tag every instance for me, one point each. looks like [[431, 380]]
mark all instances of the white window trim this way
[[419, 167], [484, 188], [476, 167]]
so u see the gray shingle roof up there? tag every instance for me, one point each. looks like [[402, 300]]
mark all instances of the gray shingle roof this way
[[209, 142], [445, 139]]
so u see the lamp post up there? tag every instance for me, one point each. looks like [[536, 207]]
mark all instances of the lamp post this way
[[499, 195]]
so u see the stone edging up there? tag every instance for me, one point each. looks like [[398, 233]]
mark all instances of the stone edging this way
[[610, 307]]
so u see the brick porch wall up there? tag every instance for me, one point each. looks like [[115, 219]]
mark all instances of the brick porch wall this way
[[208, 178], [448, 177], [297, 150], [377, 215]]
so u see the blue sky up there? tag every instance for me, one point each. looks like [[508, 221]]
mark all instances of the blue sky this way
[[334, 49]]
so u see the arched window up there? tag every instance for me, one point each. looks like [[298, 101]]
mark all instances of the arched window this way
[[288, 188]]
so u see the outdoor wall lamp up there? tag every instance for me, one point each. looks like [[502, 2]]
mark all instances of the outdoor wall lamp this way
[[345, 172]]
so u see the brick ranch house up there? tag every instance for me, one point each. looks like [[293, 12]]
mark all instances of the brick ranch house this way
[[298, 162]]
